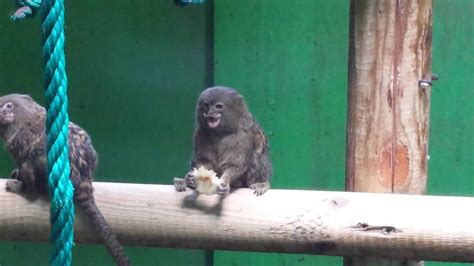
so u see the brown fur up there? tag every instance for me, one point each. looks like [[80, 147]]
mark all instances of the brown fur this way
[[25, 140], [236, 148]]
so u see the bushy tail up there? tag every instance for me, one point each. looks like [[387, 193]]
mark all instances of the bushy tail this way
[[113, 246]]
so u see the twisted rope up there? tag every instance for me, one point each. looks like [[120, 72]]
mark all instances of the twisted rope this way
[[60, 188]]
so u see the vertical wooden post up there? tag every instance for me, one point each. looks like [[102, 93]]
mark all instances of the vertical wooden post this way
[[388, 113]]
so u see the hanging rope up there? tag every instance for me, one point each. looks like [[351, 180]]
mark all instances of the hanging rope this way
[[60, 188]]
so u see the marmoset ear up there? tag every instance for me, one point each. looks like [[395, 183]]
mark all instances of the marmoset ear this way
[[27, 97]]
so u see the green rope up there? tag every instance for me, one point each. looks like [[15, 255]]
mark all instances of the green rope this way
[[60, 187]]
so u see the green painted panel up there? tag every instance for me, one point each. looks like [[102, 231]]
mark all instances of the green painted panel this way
[[289, 59], [451, 164], [135, 71]]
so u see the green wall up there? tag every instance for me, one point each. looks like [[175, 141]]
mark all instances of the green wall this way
[[451, 165], [135, 71], [292, 68]]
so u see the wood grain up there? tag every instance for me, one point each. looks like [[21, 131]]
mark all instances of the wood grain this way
[[388, 114], [292, 221], [388, 118]]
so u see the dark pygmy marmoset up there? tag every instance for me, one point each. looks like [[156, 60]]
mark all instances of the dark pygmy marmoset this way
[[228, 140], [22, 127]]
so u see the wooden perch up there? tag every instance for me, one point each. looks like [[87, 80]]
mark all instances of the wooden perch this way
[[292, 221]]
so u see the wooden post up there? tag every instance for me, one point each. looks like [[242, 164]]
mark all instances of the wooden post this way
[[286, 221], [388, 116]]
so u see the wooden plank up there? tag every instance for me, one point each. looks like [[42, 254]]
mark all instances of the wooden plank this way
[[287, 221]]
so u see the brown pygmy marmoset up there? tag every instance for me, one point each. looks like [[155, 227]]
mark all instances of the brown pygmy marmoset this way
[[228, 140], [22, 128]]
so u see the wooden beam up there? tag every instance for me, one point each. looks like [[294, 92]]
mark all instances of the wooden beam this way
[[291, 221]]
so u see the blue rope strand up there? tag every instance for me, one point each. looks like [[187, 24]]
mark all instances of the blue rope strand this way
[[60, 188]]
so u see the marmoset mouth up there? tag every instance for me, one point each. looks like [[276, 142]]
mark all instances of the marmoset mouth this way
[[6, 119], [213, 121]]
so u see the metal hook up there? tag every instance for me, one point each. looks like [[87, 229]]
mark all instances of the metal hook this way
[[424, 84]]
